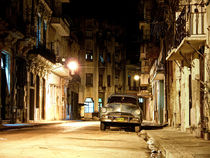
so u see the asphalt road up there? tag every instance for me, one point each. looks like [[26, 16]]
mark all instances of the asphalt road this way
[[81, 139]]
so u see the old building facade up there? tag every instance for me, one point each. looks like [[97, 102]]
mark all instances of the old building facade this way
[[33, 78], [189, 69], [179, 74]]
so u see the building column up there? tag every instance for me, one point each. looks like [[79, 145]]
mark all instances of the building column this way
[[185, 110]]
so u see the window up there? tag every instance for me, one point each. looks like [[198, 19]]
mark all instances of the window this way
[[39, 26], [108, 57], [141, 100], [89, 80], [44, 32], [109, 81], [37, 91], [100, 80], [100, 104], [89, 105], [89, 56], [5, 66], [101, 59], [31, 79], [119, 99], [129, 82]]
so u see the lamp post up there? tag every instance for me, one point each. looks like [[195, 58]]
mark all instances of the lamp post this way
[[137, 78]]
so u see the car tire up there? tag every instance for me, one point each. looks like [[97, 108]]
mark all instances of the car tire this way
[[137, 128], [102, 126]]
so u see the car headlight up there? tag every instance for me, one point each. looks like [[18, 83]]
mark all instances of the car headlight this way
[[103, 110], [137, 112]]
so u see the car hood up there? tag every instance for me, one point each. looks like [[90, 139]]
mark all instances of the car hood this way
[[122, 107]]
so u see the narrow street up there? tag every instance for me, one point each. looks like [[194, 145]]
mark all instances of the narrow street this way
[[72, 139]]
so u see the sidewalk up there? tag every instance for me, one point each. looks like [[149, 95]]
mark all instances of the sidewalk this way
[[175, 144], [4, 127]]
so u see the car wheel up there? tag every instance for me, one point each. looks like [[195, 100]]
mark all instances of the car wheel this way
[[102, 126], [137, 128]]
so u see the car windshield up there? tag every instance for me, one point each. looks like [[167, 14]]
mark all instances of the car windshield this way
[[119, 99]]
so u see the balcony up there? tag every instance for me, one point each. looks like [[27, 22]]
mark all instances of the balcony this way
[[61, 25], [190, 32], [157, 71], [41, 50]]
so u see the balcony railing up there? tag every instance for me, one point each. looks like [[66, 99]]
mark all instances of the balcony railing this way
[[190, 23], [44, 52]]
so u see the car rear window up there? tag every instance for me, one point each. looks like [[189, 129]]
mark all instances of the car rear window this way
[[117, 99]]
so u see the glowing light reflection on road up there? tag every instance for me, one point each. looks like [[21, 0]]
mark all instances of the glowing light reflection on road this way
[[72, 126]]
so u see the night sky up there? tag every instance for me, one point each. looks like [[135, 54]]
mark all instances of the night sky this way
[[119, 12]]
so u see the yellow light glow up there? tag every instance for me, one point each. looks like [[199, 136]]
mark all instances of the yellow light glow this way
[[136, 77], [73, 66]]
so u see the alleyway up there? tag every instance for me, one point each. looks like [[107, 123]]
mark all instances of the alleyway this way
[[75, 139]]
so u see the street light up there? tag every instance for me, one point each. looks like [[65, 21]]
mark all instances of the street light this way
[[137, 78], [72, 66]]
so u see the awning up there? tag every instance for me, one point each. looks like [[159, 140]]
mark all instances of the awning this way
[[60, 70], [187, 46]]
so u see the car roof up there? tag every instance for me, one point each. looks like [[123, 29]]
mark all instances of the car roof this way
[[123, 95]]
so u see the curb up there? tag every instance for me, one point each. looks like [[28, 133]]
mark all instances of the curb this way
[[164, 150]]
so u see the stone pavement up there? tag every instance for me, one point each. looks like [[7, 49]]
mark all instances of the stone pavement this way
[[173, 143]]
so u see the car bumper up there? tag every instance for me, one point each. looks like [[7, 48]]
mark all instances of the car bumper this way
[[120, 120]]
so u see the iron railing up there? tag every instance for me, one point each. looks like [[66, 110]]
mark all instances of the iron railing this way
[[189, 23]]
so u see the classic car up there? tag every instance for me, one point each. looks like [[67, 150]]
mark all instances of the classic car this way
[[121, 110]]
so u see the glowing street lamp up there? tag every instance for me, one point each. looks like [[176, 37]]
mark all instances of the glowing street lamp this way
[[72, 66], [137, 78]]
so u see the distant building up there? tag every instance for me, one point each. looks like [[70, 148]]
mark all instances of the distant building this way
[[101, 61]]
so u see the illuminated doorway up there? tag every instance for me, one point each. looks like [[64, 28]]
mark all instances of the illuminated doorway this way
[[89, 105]]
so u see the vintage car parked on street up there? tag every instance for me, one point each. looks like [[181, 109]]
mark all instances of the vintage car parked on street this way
[[121, 110]]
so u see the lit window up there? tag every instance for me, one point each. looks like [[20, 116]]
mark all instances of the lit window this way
[[5, 65], [89, 56], [2, 64], [141, 100], [39, 26], [100, 103], [89, 105]]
